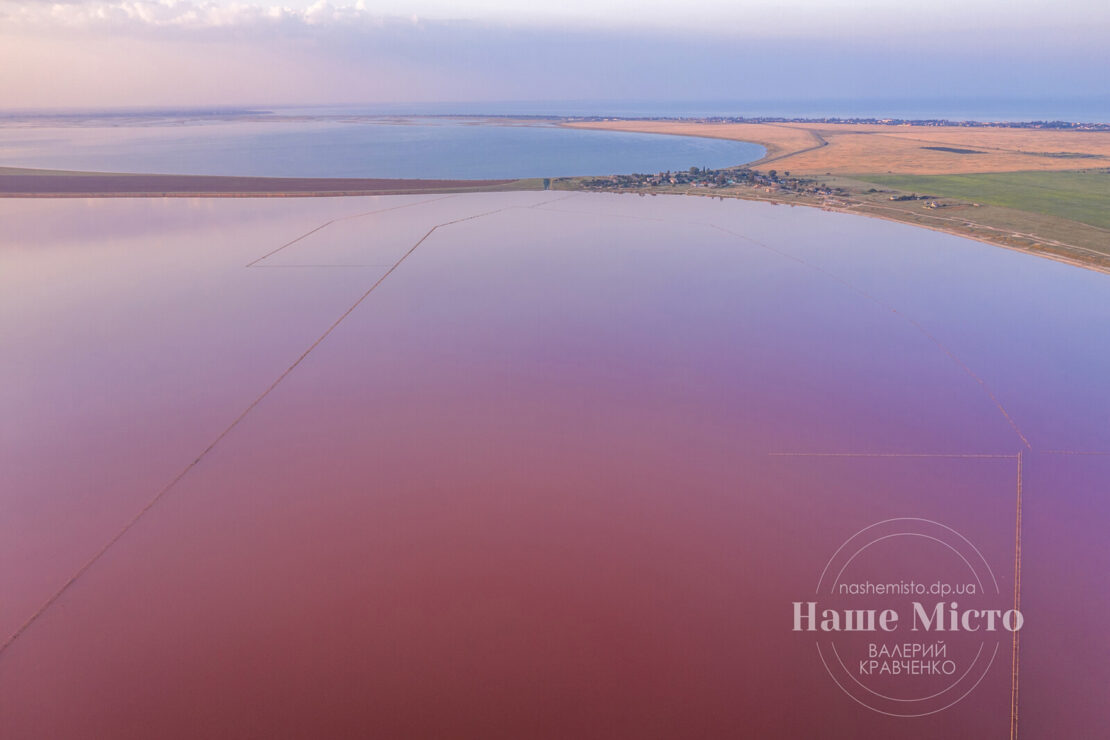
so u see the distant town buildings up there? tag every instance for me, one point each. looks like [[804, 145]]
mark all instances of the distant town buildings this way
[[695, 177]]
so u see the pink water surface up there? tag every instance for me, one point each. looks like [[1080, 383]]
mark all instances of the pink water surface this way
[[529, 480]]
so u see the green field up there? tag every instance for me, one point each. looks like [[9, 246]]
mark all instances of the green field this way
[[1079, 196]]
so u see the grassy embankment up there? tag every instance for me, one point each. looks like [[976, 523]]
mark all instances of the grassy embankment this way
[[31, 183], [1082, 196]]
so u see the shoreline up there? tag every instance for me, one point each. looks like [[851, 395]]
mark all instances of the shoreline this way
[[1063, 259], [76, 185], [842, 153]]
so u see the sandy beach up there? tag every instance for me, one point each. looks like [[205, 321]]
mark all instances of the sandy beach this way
[[827, 148]]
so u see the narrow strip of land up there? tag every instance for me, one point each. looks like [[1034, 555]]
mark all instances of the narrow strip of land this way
[[28, 183]]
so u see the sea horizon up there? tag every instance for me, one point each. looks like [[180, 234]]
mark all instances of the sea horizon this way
[[1075, 108]]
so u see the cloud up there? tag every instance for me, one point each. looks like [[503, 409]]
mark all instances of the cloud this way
[[137, 15], [717, 18]]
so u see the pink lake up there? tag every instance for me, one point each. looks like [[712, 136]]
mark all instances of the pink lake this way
[[528, 465]]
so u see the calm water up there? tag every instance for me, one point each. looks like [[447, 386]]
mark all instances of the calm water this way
[[311, 144], [531, 484]]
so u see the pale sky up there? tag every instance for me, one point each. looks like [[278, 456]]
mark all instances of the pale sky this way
[[89, 53]]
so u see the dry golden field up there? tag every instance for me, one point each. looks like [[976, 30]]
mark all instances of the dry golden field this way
[[804, 148]]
